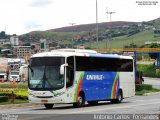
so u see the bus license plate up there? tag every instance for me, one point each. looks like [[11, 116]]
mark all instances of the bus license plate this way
[[44, 101]]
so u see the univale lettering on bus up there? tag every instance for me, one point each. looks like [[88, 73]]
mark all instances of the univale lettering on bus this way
[[95, 77]]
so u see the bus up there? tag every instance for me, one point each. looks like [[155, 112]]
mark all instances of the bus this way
[[76, 76]]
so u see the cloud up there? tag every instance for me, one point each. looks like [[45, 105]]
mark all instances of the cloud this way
[[31, 25], [39, 3]]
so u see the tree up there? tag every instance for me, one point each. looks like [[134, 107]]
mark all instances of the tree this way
[[27, 44], [154, 55], [131, 45], [53, 44]]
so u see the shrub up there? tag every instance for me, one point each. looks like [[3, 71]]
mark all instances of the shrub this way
[[18, 94], [22, 97], [22, 94], [148, 70], [16, 86], [141, 87], [4, 98], [5, 93]]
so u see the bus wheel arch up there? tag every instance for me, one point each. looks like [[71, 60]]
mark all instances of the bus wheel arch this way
[[119, 97], [81, 100]]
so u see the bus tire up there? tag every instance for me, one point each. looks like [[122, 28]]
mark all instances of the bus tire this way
[[81, 101], [48, 106], [119, 98], [93, 102]]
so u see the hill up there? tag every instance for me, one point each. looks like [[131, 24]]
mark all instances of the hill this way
[[92, 27], [116, 34]]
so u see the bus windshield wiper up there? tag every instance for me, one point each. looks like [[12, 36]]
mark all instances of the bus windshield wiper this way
[[44, 80]]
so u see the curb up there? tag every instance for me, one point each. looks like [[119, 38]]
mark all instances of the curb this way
[[152, 93]]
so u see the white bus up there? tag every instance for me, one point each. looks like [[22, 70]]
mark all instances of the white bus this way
[[79, 76]]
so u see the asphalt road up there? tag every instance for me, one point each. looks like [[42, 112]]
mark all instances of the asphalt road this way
[[149, 104]]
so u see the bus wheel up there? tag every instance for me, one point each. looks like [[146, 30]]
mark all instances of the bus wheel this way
[[118, 99], [48, 106], [93, 102], [80, 102]]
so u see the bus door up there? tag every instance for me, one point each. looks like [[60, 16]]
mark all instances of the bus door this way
[[70, 71]]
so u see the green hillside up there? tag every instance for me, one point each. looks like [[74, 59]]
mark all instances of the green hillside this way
[[138, 39], [119, 35]]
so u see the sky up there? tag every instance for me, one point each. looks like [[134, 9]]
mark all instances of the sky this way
[[23, 16]]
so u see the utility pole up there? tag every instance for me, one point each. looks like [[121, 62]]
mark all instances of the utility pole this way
[[97, 23], [72, 24], [110, 14]]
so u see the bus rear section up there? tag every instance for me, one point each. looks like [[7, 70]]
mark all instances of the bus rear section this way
[[104, 78]]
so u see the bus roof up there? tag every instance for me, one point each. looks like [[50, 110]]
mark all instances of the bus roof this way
[[78, 52], [75, 50]]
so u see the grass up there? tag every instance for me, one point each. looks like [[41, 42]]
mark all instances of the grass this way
[[141, 89], [17, 93], [147, 91], [14, 86], [15, 102], [119, 42]]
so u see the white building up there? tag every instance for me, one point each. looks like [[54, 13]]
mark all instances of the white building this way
[[14, 40]]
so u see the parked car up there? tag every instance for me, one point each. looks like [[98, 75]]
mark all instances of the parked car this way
[[14, 76]]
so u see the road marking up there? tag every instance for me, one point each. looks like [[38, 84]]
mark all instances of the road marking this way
[[102, 109]]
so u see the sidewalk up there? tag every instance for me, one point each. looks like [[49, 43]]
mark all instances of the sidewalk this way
[[14, 106], [155, 82]]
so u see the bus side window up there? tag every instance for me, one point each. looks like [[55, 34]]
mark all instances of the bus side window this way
[[70, 72]]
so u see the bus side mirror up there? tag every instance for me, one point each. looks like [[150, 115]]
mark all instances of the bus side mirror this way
[[62, 68]]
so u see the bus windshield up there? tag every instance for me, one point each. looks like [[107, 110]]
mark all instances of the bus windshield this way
[[44, 73]]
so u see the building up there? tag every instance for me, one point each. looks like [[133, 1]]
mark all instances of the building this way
[[152, 42], [14, 40], [4, 42], [22, 51], [43, 46]]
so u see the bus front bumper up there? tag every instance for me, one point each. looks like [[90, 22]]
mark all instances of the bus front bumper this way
[[46, 99]]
